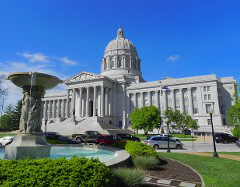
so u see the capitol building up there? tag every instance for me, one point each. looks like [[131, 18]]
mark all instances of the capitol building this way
[[105, 101]]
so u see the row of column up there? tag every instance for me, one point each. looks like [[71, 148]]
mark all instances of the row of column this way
[[78, 104], [164, 99]]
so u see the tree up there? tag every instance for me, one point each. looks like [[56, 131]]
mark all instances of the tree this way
[[233, 114], [10, 120], [178, 120], [3, 91], [146, 118]]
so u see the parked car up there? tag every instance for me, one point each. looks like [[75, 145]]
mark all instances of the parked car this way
[[6, 140], [67, 140], [52, 135], [104, 139], [162, 142], [125, 136], [88, 136], [170, 136], [238, 143], [224, 138]]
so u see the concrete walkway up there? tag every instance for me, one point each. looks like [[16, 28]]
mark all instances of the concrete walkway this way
[[232, 157], [169, 182]]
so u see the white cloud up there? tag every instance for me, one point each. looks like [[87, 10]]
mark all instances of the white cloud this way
[[67, 61], [35, 57], [173, 58]]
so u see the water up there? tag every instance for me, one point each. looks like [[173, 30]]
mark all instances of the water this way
[[68, 152]]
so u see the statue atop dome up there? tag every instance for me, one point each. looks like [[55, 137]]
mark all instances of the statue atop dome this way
[[120, 32]]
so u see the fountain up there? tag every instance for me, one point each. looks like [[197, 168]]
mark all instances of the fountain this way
[[30, 140]]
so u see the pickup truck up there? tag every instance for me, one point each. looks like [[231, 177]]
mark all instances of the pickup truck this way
[[87, 137]]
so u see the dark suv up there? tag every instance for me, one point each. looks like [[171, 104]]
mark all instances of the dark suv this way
[[224, 138], [125, 136]]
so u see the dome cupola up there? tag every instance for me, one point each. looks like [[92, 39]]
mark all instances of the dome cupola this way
[[120, 58]]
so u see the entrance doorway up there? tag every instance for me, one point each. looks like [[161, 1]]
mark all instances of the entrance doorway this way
[[90, 108]]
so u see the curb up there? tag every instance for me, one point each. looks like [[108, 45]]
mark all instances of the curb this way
[[202, 181]]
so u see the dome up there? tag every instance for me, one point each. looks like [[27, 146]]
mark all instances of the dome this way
[[120, 58]]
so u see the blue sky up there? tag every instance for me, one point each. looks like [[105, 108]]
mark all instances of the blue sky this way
[[173, 38]]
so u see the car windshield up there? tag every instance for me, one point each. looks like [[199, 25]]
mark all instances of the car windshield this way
[[148, 137]]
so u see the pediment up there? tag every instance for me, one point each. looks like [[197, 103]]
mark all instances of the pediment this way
[[83, 76]]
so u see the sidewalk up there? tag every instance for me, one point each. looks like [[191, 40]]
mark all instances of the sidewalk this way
[[169, 182], [232, 157]]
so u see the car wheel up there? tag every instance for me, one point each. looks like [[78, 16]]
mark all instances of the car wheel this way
[[79, 140], [156, 146], [178, 147], [102, 144], [0, 144]]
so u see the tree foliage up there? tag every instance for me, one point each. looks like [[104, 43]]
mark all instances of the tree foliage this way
[[3, 91], [10, 120], [233, 114], [146, 118], [178, 120]]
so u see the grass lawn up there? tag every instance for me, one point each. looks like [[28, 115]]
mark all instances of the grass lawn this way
[[215, 171], [3, 134]]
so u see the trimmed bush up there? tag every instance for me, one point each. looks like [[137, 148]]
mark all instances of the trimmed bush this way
[[145, 163], [236, 131], [55, 172], [120, 145], [140, 149], [128, 177]]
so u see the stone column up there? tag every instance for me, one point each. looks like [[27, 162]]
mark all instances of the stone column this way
[[106, 102], [200, 101], [181, 100], [67, 104], [50, 109], [173, 100], [80, 102], [149, 98], [58, 108], [87, 102], [165, 104], [63, 108], [143, 101], [102, 101], [94, 101], [190, 101], [73, 102], [45, 110], [156, 99], [135, 100]]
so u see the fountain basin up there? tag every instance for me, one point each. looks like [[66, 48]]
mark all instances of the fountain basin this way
[[111, 156], [25, 79]]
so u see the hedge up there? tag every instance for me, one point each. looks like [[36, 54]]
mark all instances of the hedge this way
[[136, 148], [76, 171]]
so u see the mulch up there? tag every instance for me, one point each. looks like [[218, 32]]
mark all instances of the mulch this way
[[170, 169]]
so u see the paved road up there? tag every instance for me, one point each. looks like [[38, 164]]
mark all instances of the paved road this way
[[205, 147]]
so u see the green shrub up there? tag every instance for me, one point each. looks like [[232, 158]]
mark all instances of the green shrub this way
[[55, 172], [236, 131], [145, 163], [140, 149], [120, 145], [128, 177]]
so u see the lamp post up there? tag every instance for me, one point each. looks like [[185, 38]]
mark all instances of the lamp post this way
[[215, 154], [168, 149]]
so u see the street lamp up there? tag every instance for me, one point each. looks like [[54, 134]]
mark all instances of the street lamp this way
[[168, 147], [215, 154]]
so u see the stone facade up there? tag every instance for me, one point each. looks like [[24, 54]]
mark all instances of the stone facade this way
[[106, 100]]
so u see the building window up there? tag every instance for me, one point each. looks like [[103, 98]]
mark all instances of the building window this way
[[224, 122], [207, 97], [195, 110], [120, 124], [209, 121], [206, 88], [145, 98]]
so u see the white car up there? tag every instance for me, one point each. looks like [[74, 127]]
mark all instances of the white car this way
[[6, 140]]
